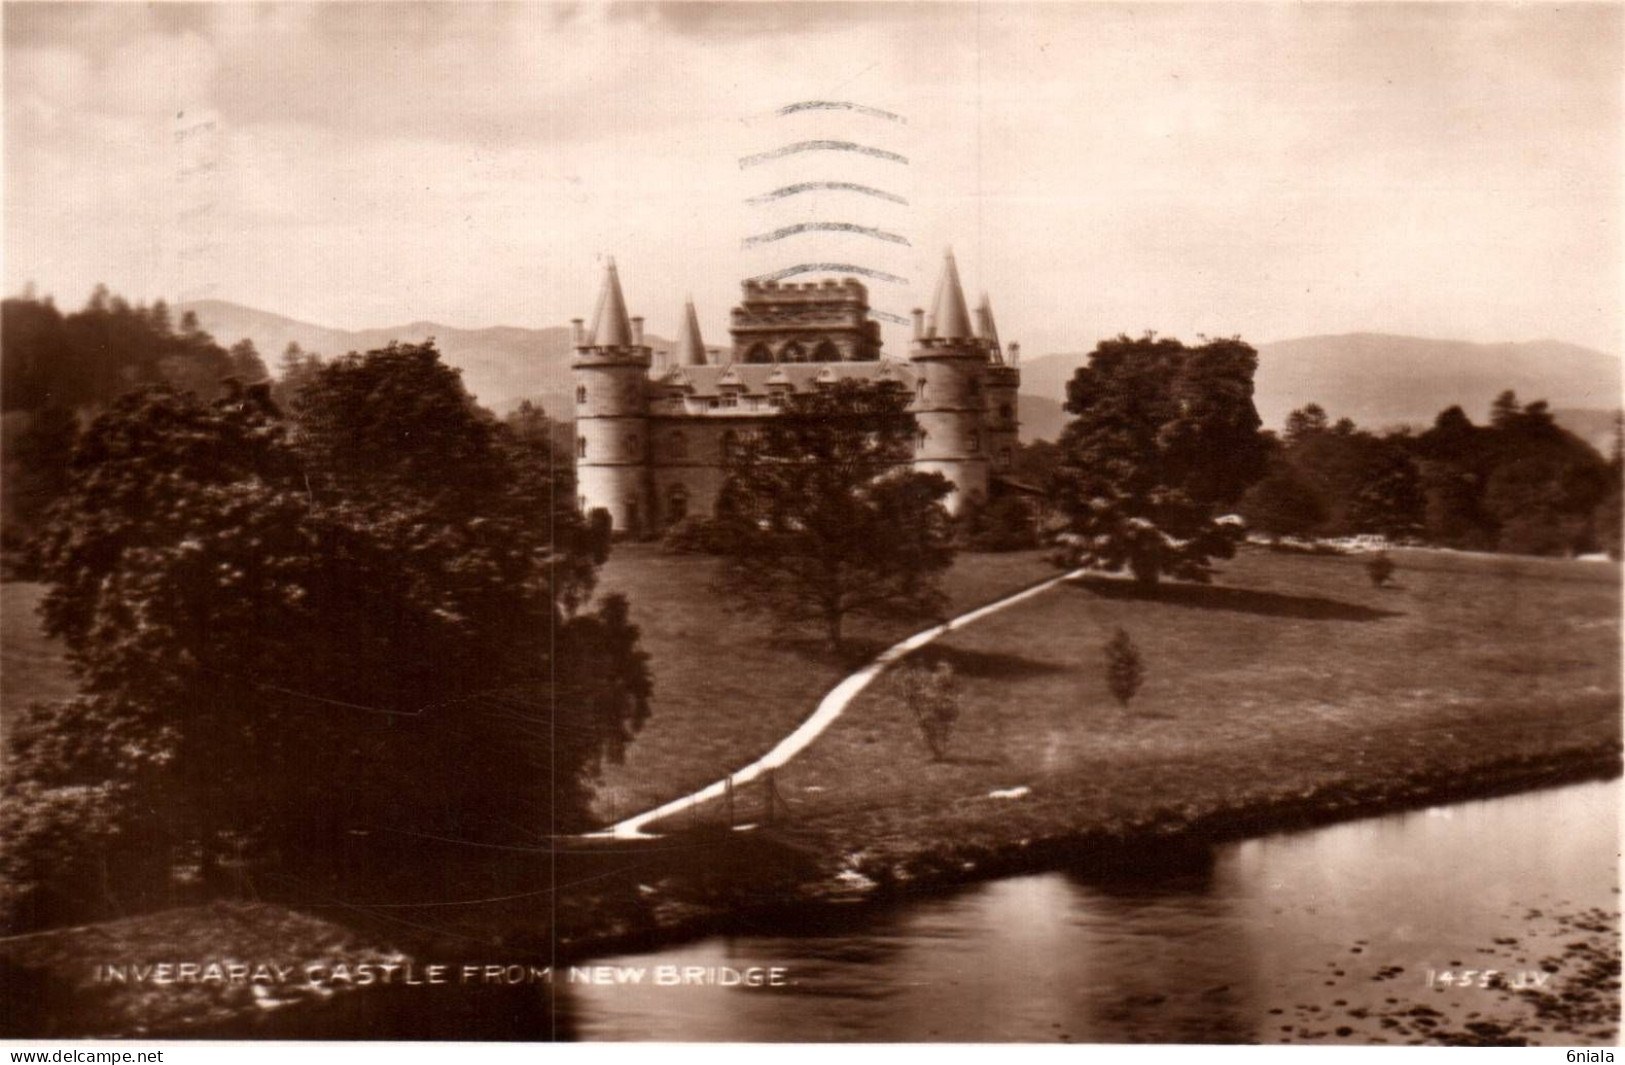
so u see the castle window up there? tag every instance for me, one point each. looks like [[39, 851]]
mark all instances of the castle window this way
[[581, 447], [758, 353], [793, 352], [975, 441], [729, 399], [1007, 413], [678, 444], [920, 439], [676, 503], [632, 444], [919, 389], [975, 386], [730, 444], [1006, 460], [826, 352], [581, 393], [775, 399]]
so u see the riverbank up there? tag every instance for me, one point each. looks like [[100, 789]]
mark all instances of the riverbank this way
[[1291, 695]]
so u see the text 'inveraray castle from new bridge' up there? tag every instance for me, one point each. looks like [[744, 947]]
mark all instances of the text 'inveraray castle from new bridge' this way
[[652, 442]]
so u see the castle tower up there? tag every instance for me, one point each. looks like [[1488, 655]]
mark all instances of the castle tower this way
[[610, 368], [1003, 382], [690, 346], [950, 403]]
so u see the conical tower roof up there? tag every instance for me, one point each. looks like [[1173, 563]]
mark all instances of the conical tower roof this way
[[986, 328], [950, 319], [690, 347], [611, 328]]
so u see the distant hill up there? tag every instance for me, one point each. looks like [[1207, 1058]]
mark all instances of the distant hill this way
[[1377, 380], [501, 365], [1381, 380]]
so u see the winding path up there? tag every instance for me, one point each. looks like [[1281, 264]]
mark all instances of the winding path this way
[[830, 708]]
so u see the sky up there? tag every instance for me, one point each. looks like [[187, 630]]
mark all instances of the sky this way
[[1270, 170]]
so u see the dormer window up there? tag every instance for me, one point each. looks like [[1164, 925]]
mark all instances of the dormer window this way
[[730, 399]]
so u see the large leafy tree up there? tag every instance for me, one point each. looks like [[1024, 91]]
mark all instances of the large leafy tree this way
[[1164, 439], [369, 618], [821, 519]]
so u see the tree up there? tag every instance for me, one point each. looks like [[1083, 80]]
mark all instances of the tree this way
[[1380, 568], [1305, 422], [932, 697], [1164, 439], [259, 624], [1125, 669], [821, 518], [1284, 503]]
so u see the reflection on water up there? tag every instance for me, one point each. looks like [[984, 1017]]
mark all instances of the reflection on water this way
[[1275, 935]]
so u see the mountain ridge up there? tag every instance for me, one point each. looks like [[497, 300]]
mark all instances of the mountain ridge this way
[[1379, 379]]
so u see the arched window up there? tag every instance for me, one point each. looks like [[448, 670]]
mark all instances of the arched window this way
[[826, 352], [632, 444], [758, 353], [581, 393], [581, 447], [919, 389], [919, 440], [676, 503], [793, 352], [677, 445], [974, 387]]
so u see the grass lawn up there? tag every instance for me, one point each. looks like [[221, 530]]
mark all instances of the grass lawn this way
[[1289, 678], [726, 687]]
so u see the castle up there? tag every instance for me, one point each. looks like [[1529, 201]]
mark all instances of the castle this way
[[652, 441]]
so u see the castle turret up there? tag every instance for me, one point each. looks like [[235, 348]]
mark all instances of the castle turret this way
[[1003, 382], [690, 347], [951, 364], [610, 368]]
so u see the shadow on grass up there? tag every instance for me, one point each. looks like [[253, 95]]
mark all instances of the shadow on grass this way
[[993, 665], [1240, 600]]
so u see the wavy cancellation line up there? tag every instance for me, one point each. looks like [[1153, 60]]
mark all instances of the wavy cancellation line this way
[[830, 268], [826, 186], [821, 146], [840, 105], [823, 227]]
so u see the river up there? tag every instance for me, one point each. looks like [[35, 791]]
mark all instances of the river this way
[[1338, 934]]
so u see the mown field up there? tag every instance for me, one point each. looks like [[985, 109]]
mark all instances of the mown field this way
[[727, 687], [1291, 678]]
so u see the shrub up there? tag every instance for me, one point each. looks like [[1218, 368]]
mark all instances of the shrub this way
[[693, 536], [1380, 568], [1125, 669], [932, 696], [1008, 523]]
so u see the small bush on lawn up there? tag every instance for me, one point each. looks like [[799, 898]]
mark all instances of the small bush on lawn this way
[[932, 695], [1125, 669], [1380, 568]]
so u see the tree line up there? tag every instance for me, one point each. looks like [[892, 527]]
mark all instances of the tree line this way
[[1519, 483]]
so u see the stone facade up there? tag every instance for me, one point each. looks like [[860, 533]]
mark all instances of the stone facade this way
[[651, 447]]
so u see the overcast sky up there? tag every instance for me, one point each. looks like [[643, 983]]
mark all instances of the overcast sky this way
[[1272, 170]]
